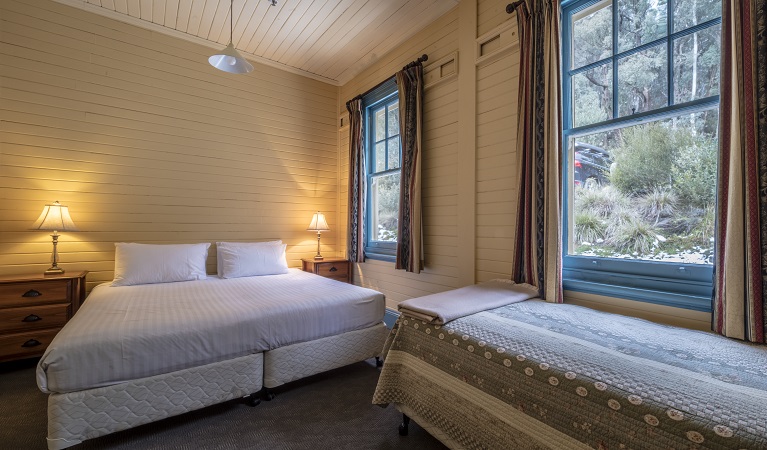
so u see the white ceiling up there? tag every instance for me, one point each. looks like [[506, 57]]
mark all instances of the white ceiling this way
[[331, 40]]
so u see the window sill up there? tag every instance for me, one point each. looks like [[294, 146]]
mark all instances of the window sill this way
[[380, 257], [677, 300]]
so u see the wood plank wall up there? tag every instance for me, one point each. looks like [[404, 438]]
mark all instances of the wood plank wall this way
[[146, 142], [440, 168]]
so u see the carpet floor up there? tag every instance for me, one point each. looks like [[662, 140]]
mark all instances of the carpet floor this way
[[331, 410]]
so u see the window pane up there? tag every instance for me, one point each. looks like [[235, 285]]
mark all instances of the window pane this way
[[593, 95], [380, 124], [393, 149], [688, 13], [642, 81], [380, 157], [646, 192], [592, 34], [696, 65], [640, 22], [385, 207], [393, 119]]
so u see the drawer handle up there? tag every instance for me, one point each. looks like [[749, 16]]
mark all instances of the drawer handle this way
[[31, 343], [333, 269], [32, 318], [32, 293]]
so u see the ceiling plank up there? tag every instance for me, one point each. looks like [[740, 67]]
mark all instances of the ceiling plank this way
[[134, 9], [285, 21], [255, 21], [269, 17], [121, 6], [363, 29], [145, 7], [273, 52], [171, 13], [298, 53], [208, 14], [182, 17], [108, 4], [195, 15], [158, 11]]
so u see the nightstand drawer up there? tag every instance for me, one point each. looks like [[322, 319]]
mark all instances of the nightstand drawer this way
[[339, 270], [21, 345], [34, 317], [34, 292]]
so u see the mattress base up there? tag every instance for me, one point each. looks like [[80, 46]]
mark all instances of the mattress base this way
[[296, 361], [76, 416]]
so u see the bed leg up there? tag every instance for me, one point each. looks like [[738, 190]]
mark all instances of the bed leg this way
[[267, 394], [403, 427], [379, 361], [252, 400]]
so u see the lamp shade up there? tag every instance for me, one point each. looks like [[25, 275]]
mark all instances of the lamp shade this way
[[318, 223], [230, 60], [55, 217]]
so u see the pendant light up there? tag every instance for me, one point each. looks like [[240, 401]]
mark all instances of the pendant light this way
[[229, 59]]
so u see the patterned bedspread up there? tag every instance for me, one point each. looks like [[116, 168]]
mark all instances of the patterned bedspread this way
[[536, 375]]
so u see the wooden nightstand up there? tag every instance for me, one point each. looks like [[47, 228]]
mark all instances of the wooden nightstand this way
[[336, 268], [33, 308]]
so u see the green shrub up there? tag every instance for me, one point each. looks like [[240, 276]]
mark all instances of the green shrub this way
[[634, 236], [600, 202], [705, 228], [589, 228], [694, 174], [645, 156], [657, 204]]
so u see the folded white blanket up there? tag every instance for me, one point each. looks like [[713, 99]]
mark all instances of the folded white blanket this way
[[443, 307]]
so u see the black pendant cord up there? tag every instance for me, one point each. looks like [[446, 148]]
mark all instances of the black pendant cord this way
[[420, 60], [231, 21], [511, 7]]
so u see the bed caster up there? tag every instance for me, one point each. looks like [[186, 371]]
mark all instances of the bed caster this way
[[252, 400], [267, 394], [403, 427], [379, 361]]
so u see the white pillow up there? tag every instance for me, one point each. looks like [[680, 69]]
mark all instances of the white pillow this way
[[149, 263], [247, 259]]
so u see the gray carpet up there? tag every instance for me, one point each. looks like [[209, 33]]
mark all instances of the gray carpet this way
[[327, 411]]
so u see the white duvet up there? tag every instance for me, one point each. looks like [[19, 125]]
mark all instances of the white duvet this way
[[128, 332]]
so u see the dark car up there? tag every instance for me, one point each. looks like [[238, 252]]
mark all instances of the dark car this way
[[591, 165]]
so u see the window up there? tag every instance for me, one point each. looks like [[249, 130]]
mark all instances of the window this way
[[382, 146], [641, 99]]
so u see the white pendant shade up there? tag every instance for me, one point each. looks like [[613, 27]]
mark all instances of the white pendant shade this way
[[230, 60]]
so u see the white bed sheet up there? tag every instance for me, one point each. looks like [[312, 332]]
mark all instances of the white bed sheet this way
[[128, 332]]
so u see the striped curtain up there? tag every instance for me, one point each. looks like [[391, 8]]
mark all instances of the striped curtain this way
[[740, 267], [409, 227], [357, 183], [537, 257]]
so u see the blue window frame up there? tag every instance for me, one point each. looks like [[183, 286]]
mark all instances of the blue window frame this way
[[640, 89], [383, 154]]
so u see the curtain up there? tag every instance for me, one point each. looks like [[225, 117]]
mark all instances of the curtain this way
[[409, 227], [739, 306], [537, 257], [357, 183]]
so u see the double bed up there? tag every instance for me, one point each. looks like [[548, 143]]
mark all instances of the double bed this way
[[137, 354], [537, 375]]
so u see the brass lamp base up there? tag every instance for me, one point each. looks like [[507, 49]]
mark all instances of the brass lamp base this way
[[54, 271]]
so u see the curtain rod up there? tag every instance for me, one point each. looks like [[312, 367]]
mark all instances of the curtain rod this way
[[511, 7], [420, 60]]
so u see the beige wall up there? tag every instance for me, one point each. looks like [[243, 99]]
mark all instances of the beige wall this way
[[470, 166], [146, 142]]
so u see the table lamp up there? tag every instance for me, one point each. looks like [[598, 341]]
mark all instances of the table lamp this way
[[319, 224], [55, 217]]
